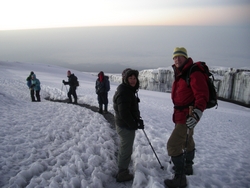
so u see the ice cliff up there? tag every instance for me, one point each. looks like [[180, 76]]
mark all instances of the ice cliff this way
[[231, 84]]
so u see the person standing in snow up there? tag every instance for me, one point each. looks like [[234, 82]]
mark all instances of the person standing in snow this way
[[127, 120], [102, 87], [73, 83], [189, 104], [35, 86], [28, 79]]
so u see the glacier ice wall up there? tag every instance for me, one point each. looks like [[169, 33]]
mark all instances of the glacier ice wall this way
[[231, 84]]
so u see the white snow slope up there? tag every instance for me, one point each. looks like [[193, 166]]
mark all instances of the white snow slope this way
[[50, 144]]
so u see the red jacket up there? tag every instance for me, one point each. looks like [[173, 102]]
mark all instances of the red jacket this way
[[184, 95]]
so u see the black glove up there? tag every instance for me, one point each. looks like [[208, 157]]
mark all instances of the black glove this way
[[63, 82], [140, 124], [33, 85]]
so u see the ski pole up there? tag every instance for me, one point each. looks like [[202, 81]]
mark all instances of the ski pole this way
[[66, 89], [185, 149], [162, 167], [184, 154], [186, 143]]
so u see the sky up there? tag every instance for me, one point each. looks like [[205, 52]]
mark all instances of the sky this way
[[112, 49], [111, 35], [51, 144], [29, 14]]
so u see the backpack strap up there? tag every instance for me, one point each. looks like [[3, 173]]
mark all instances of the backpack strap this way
[[198, 66]]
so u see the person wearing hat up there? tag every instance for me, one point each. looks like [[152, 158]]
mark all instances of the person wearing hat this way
[[102, 87], [127, 120], [32, 93], [35, 86], [72, 82], [189, 104]]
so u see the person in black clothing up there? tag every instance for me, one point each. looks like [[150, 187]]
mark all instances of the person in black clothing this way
[[32, 93], [102, 86], [127, 120], [72, 82]]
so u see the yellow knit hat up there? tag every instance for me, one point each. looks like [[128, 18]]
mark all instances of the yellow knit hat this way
[[180, 51]]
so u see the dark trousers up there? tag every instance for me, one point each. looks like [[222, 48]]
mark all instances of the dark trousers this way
[[72, 91], [38, 95], [32, 95], [103, 98]]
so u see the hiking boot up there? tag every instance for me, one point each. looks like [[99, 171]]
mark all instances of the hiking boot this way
[[105, 108], [178, 181], [100, 109], [75, 101], [189, 162], [188, 169], [124, 176]]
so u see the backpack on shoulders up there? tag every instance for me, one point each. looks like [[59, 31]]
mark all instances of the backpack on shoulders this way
[[76, 82], [201, 66]]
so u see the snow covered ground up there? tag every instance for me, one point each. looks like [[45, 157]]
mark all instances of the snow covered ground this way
[[57, 145]]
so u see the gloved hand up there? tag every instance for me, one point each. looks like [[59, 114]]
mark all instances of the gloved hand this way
[[193, 118], [63, 82], [140, 124], [33, 85]]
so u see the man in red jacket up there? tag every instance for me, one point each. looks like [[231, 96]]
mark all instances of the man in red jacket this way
[[189, 104]]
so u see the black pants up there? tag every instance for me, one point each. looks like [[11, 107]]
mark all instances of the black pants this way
[[38, 95], [102, 98], [32, 95], [72, 91]]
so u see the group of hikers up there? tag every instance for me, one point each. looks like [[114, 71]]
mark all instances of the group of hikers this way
[[102, 88], [189, 104]]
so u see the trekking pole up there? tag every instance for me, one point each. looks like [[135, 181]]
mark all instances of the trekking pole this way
[[185, 149], [184, 154], [66, 88], [162, 167], [186, 143]]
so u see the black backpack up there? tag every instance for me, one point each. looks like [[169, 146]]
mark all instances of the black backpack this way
[[76, 82], [201, 66]]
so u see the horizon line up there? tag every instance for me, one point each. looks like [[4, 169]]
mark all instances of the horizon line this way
[[96, 26]]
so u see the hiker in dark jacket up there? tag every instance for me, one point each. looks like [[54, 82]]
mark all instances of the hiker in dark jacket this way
[[72, 82], [189, 104], [102, 87], [28, 79], [35, 86], [127, 120]]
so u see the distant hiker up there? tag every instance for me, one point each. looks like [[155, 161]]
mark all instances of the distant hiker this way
[[102, 87], [189, 104], [73, 83], [28, 79], [35, 86], [127, 120]]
